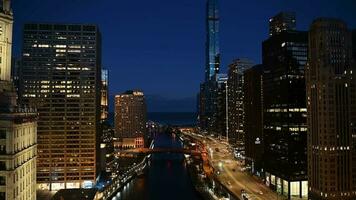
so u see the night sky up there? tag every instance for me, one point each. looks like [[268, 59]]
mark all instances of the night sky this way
[[158, 45]]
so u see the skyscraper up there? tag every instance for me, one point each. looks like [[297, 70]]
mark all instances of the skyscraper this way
[[283, 21], [284, 117], [212, 40], [212, 67], [218, 122], [235, 100], [60, 76], [104, 94], [130, 119], [331, 97], [253, 109], [18, 125]]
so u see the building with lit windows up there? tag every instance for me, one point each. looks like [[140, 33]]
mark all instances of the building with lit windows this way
[[130, 120], [212, 40], [61, 77], [218, 121], [281, 22], [253, 110], [104, 102], [331, 98], [206, 107], [284, 112], [18, 125], [106, 152], [236, 113]]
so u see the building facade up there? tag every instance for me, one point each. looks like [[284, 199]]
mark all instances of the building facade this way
[[106, 158], [18, 147], [219, 120], [206, 107], [212, 40], [130, 120], [236, 115], [253, 126], [18, 126], [281, 22], [104, 102], [60, 76], [284, 117], [331, 98]]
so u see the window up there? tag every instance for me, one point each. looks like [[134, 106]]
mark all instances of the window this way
[[2, 180], [2, 149], [2, 134], [2, 165]]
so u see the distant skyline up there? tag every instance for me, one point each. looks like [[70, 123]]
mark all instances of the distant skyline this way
[[159, 46]]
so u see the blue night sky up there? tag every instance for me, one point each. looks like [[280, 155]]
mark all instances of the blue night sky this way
[[158, 45]]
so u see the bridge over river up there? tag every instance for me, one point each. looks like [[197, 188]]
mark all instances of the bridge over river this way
[[193, 152]]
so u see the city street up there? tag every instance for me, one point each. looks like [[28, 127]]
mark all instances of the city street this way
[[230, 172]]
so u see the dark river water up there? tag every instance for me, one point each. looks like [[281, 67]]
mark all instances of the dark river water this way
[[166, 178]]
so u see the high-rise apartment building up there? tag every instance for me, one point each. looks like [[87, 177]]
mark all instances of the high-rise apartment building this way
[[104, 102], [18, 138], [219, 119], [60, 76], [331, 100], [253, 126], [283, 21], [235, 100], [284, 117], [130, 119]]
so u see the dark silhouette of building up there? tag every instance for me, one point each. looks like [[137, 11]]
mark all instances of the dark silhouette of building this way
[[60, 76], [284, 117], [253, 126], [283, 21], [219, 117], [236, 115], [354, 44], [331, 98]]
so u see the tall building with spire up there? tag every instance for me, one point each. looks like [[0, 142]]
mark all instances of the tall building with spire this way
[[208, 91], [212, 40], [18, 125]]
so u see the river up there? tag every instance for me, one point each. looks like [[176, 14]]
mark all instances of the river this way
[[166, 177]]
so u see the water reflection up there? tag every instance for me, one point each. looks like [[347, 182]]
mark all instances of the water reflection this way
[[166, 177]]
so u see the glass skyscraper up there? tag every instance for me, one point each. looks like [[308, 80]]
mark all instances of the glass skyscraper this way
[[212, 40]]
